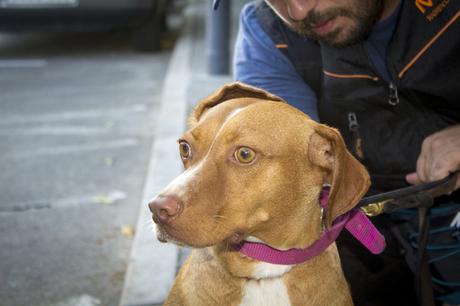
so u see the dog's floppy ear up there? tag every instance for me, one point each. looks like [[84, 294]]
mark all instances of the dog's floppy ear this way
[[348, 178], [228, 92]]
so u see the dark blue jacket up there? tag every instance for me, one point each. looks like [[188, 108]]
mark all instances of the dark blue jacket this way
[[384, 123]]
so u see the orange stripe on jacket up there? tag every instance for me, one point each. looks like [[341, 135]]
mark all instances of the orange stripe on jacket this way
[[428, 45], [351, 76], [281, 46]]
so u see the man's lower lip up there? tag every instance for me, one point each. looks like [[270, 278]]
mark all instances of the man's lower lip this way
[[324, 27]]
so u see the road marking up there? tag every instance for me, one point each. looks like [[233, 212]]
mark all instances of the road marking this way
[[82, 300], [57, 130], [102, 199], [66, 116], [23, 63], [74, 149]]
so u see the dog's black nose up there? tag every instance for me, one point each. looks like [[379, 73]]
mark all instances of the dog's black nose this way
[[164, 208]]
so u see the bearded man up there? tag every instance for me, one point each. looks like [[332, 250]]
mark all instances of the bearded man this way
[[386, 73]]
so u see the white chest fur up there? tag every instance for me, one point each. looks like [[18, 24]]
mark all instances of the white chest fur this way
[[268, 288]]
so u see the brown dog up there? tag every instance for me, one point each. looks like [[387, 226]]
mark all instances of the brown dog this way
[[254, 170]]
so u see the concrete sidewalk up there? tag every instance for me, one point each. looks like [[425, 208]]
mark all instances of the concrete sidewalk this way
[[153, 266]]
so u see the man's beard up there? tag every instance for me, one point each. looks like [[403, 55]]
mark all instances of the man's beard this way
[[364, 16]]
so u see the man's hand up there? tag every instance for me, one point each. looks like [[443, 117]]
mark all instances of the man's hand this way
[[440, 155]]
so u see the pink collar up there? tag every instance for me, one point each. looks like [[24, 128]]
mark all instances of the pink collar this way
[[355, 221]]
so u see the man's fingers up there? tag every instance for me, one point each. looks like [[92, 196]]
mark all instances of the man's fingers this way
[[421, 164], [439, 156], [441, 168], [413, 179]]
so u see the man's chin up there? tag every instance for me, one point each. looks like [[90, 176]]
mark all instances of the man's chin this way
[[337, 34], [336, 39]]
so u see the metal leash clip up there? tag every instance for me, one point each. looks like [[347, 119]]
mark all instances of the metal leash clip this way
[[407, 197]]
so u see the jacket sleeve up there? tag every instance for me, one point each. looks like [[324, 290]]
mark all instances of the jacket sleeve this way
[[259, 63]]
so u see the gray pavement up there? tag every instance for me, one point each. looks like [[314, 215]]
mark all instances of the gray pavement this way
[[76, 114], [153, 265], [85, 142]]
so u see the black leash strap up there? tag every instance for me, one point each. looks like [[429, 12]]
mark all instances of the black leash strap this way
[[421, 197], [422, 281], [408, 197]]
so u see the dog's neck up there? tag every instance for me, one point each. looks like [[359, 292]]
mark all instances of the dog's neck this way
[[354, 221], [240, 265], [247, 268]]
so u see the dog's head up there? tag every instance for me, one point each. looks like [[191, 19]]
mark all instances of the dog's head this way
[[255, 166]]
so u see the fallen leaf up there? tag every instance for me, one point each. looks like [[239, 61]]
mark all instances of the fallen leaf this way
[[127, 231], [103, 199], [108, 161], [108, 124]]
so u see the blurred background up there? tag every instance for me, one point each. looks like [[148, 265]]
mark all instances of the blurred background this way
[[90, 90]]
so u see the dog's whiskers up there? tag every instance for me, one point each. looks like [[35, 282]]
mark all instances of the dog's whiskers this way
[[152, 227], [148, 224], [228, 247], [221, 223], [204, 233], [220, 216]]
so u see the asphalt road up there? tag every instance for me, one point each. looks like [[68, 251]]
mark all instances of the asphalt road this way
[[76, 126]]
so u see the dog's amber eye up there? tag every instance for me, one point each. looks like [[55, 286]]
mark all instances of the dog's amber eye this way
[[245, 155], [185, 150]]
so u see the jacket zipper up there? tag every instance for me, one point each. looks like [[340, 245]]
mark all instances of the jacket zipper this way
[[393, 97], [353, 126]]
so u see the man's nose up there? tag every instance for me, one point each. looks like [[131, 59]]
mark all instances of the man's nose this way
[[298, 9]]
